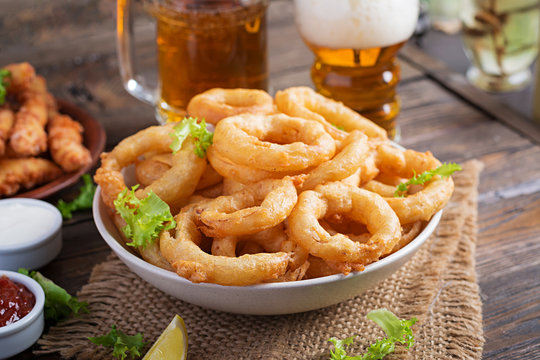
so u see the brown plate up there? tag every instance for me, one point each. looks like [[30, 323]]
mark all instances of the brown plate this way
[[93, 139]]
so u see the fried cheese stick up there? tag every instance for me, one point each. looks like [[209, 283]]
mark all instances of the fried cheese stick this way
[[6, 122], [28, 137], [21, 74], [25, 172], [65, 143]]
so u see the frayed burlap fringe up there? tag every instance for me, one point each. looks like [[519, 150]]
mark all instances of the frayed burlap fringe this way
[[438, 286]]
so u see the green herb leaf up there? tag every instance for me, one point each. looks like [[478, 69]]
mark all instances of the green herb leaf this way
[[145, 218], [121, 343], [189, 126], [4, 73], [339, 352], [338, 126], [82, 201], [445, 170], [58, 303], [397, 331]]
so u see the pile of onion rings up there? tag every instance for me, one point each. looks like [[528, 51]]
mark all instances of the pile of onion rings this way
[[298, 188]]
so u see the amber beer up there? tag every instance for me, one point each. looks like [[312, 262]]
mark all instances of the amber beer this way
[[355, 43], [204, 44]]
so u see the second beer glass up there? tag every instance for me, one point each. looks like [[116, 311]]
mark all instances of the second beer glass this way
[[355, 43]]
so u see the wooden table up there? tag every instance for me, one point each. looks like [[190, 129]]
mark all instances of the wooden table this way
[[73, 45]]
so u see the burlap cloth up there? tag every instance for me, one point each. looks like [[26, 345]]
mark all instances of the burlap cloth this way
[[438, 286]]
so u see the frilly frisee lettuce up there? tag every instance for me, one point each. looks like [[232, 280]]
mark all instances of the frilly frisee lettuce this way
[[121, 343], [198, 131], [59, 304], [4, 73], [145, 218], [444, 171], [397, 331]]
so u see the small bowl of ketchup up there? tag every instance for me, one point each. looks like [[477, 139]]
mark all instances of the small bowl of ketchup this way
[[21, 313]]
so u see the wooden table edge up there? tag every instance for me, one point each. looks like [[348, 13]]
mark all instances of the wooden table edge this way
[[440, 73]]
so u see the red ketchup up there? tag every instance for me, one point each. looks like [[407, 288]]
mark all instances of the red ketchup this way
[[16, 301]]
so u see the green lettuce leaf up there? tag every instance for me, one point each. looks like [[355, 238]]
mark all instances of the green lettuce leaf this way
[[397, 331], [445, 170], [58, 303], [145, 218], [198, 131], [82, 201], [4, 73]]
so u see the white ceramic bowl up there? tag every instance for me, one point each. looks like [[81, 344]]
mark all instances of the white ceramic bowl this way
[[19, 336], [263, 299], [41, 249]]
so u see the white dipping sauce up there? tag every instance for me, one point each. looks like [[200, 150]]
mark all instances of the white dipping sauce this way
[[22, 222]]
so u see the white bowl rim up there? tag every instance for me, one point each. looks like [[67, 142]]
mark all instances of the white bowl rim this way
[[34, 314], [403, 252], [27, 245]]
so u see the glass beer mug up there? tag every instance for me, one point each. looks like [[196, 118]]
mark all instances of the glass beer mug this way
[[201, 44], [355, 43]]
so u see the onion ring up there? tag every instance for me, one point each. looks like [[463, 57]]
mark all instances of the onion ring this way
[[231, 186], [150, 253], [241, 214], [152, 168], [216, 104], [343, 165], [319, 268], [192, 263], [176, 184], [421, 205], [359, 205], [273, 142], [408, 233], [209, 178], [380, 188], [270, 240], [305, 102], [241, 173]]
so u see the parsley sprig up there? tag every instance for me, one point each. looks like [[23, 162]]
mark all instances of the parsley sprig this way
[[445, 170], [81, 202], [4, 73], [397, 331], [198, 131], [145, 218], [121, 343], [59, 304]]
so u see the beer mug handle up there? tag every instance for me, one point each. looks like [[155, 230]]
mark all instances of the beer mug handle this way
[[124, 47]]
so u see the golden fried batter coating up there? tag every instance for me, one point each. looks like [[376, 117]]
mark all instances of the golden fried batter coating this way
[[65, 143], [7, 117], [28, 137], [25, 172]]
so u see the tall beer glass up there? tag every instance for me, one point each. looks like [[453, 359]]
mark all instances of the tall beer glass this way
[[201, 44], [355, 43]]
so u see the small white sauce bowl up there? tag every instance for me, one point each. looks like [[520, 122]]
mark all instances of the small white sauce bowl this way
[[19, 336], [35, 253]]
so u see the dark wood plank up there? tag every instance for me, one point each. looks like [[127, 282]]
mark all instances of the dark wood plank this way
[[73, 45], [509, 276], [439, 72], [508, 264]]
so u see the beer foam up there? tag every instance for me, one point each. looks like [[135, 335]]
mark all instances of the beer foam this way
[[356, 24]]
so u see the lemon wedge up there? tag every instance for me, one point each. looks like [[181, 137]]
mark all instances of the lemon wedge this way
[[172, 343]]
